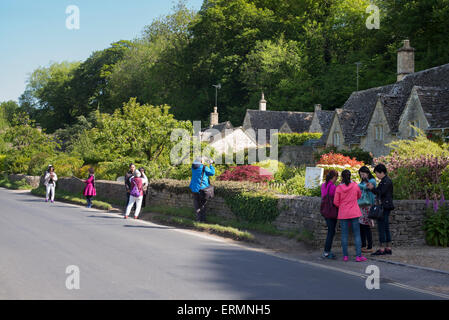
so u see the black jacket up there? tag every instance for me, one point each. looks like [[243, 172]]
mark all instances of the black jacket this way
[[384, 192], [127, 182]]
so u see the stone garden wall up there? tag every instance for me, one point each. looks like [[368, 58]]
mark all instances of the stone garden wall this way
[[295, 212]]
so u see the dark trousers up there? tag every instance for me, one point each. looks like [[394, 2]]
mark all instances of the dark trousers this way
[[367, 236], [89, 201], [144, 200], [384, 229], [331, 225], [199, 203]]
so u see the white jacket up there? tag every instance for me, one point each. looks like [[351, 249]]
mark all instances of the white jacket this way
[[47, 179]]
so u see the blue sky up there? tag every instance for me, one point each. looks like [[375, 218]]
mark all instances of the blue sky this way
[[33, 33]]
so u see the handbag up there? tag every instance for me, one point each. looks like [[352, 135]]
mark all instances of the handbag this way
[[376, 212], [327, 209], [208, 192]]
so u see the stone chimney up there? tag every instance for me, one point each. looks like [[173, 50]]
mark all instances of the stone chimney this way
[[406, 60], [214, 117], [318, 107], [263, 103]]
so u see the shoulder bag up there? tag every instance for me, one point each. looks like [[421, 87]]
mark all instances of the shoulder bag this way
[[327, 209]]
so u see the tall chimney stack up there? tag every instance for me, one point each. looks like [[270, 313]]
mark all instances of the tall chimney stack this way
[[406, 60], [214, 117], [263, 103]]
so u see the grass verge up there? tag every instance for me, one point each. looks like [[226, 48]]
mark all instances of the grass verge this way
[[72, 198], [187, 217], [14, 185], [220, 230]]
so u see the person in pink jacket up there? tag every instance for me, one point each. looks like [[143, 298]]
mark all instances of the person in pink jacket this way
[[89, 189], [345, 199]]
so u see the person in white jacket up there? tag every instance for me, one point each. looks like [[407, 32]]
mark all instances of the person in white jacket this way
[[50, 179]]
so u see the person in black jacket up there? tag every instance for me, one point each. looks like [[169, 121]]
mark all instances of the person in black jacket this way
[[383, 192], [128, 176]]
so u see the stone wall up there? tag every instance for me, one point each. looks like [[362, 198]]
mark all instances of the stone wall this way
[[31, 180], [297, 155], [302, 213], [295, 212]]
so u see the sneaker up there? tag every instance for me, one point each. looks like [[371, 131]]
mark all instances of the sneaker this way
[[360, 259], [52, 201], [329, 255], [378, 253], [126, 217], [345, 258], [388, 251], [46, 200], [135, 218]]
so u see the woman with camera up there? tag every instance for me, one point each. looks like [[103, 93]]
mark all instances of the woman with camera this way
[[202, 169]]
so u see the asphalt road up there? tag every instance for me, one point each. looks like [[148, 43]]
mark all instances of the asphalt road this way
[[126, 259]]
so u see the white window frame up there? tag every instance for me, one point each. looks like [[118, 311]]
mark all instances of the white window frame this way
[[336, 139], [414, 123], [379, 132]]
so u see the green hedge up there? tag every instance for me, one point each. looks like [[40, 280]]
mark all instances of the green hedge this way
[[297, 139], [248, 201]]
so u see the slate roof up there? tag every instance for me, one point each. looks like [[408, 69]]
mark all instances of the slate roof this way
[[297, 121], [325, 118], [221, 127], [358, 109], [435, 103]]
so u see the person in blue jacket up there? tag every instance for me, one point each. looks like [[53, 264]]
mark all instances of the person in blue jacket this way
[[365, 203], [196, 184]]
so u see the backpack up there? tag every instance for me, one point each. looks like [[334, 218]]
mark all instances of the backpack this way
[[327, 209], [135, 190]]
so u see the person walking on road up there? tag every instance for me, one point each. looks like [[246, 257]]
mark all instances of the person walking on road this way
[[329, 188], [346, 197], [89, 189], [50, 179], [200, 180], [135, 195]]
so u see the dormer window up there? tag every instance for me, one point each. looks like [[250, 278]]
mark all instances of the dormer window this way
[[379, 131], [336, 139], [413, 132]]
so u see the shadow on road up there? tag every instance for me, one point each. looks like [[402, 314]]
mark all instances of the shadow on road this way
[[146, 227]]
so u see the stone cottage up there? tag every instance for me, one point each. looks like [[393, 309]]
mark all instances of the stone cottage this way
[[372, 118]]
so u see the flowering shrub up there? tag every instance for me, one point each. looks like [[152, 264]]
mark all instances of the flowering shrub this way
[[339, 159], [246, 173], [416, 178], [436, 224]]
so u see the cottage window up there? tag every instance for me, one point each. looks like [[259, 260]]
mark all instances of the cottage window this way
[[336, 138], [379, 132], [413, 132]]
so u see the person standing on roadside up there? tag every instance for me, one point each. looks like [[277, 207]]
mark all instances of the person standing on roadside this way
[[329, 188], [50, 179], [346, 197], [89, 190], [384, 193], [200, 180], [128, 176], [145, 184], [365, 203], [135, 195]]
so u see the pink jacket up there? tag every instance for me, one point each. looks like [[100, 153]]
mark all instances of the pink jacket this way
[[89, 190], [346, 200]]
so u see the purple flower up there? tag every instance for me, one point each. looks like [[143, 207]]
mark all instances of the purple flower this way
[[435, 206], [442, 200]]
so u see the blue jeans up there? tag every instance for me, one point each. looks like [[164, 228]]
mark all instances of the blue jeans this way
[[345, 232], [331, 224], [383, 226]]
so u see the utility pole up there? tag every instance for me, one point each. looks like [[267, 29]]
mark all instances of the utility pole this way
[[217, 86]]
